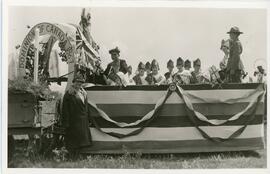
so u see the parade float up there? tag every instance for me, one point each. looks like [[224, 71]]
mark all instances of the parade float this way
[[145, 119]]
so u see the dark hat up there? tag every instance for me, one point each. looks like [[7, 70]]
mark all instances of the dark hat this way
[[235, 30], [148, 65], [179, 61], [154, 63], [141, 66], [196, 62], [170, 63], [187, 63], [116, 50], [78, 78]]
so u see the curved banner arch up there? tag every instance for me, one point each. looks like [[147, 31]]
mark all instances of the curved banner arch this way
[[66, 34]]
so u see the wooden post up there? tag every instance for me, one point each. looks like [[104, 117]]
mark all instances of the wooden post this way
[[36, 55]]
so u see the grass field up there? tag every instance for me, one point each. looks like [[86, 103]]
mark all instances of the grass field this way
[[24, 158]]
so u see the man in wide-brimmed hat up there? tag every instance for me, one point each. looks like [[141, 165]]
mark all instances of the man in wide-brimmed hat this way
[[234, 66], [115, 55]]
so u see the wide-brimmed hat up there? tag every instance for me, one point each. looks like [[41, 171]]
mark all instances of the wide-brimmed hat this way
[[235, 30], [114, 50], [78, 78]]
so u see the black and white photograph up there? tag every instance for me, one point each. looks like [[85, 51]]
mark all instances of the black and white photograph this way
[[136, 87]]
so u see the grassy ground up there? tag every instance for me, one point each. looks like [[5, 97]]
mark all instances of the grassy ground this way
[[28, 158], [23, 158]]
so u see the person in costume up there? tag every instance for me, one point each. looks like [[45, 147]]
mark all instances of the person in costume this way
[[187, 65], [177, 76], [130, 76], [155, 78], [196, 75], [234, 66], [148, 68], [260, 73], [116, 77], [225, 47], [169, 75], [186, 74], [139, 78], [75, 117], [115, 55]]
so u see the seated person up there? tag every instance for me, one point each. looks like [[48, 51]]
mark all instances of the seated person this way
[[148, 68], [139, 79], [129, 76], [169, 75], [182, 76], [168, 78], [155, 77], [115, 56], [196, 75], [176, 77], [186, 74], [115, 77]]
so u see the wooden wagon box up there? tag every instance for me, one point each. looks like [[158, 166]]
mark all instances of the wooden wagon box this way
[[233, 118]]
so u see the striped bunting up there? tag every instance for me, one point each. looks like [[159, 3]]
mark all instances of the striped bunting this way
[[172, 126]]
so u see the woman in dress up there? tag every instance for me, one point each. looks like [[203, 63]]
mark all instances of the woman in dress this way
[[75, 117]]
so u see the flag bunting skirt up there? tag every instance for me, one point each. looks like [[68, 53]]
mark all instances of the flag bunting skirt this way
[[179, 120]]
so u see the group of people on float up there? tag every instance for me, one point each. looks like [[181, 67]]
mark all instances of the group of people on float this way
[[231, 68]]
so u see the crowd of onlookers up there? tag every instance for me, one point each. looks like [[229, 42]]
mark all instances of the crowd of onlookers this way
[[231, 69]]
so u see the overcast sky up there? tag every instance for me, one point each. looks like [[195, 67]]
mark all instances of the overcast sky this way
[[143, 34]]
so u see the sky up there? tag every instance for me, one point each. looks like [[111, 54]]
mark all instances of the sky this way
[[144, 33]]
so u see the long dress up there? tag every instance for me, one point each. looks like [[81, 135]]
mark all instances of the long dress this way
[[75, 120]]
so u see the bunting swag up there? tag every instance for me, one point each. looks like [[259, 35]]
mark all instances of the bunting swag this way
[[254, 96], [248, 113], [192, 116], [148, 116], [148, 119]]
